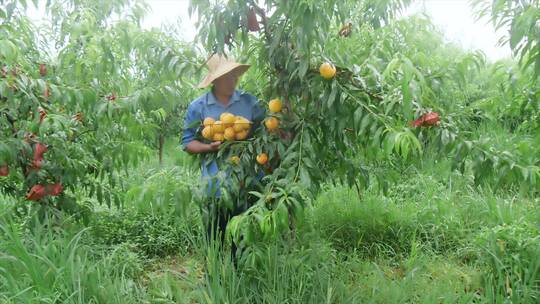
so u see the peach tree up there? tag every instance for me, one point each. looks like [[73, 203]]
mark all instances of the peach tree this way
[[359, 91], [83, 99], [302, 53]]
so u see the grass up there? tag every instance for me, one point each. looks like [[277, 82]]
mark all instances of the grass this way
[[433, 238], [47, 266]]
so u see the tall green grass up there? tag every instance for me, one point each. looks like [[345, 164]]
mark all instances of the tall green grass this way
[[49, 265], [428, 215], [434, 237]]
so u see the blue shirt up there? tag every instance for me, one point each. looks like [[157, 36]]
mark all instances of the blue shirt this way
[[242, 104]]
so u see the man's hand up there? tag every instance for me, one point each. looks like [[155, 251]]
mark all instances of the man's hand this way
[[196, 147], [214, 146]]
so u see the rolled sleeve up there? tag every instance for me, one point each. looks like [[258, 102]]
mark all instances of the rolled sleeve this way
[[193, 114]]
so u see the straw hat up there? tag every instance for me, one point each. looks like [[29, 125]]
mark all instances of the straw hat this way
[[218, 66]]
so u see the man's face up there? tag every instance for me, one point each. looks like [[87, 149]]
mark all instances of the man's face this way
[[226, 84]]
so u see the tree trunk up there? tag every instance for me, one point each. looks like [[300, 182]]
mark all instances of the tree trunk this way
[[161, 143]]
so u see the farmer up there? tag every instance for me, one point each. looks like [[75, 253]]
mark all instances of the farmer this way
[[223, 76]]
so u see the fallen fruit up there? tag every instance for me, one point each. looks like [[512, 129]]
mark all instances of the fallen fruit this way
[[327, 70], [271, 123], [275, 105], [262, 158]]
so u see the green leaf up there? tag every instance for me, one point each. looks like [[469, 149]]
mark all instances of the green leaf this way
[[332, 96], [304, 177], [357, 116], [365, 122], [407, 96], [304, 66], [8, 50], [173, 61], [389, 143]]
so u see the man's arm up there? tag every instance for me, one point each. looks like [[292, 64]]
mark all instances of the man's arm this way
[[196, 147], [190, 143]]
